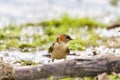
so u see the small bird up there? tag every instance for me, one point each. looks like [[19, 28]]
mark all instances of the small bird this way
[[59, 49]]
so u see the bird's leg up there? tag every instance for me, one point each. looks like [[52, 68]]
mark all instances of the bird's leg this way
[[52, 60], [65, 59]]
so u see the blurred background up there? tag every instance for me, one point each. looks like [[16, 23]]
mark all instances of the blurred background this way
[[21, 11], [29, 27]]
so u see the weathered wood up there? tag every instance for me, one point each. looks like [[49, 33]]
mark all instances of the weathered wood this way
[[114, 25], [75, 68]]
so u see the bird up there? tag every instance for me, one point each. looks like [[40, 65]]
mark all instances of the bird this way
[[59, 48]]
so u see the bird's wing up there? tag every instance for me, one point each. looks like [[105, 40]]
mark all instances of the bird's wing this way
[[68, 50], [51, 48]]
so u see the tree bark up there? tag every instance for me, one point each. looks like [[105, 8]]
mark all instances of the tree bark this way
[[74, 68]]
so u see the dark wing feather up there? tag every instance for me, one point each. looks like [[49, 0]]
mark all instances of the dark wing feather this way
[[68, 50], [51, 48]]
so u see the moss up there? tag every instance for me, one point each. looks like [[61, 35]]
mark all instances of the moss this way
[[80, 22], [114, 77], [26, 45], [67, 79], [10, 37], [68, 21], [29, 24], [2, 35], [55, 30], [78, 78], [2, 48], [51, 78], [11, 34], [41, 40], [77, 44], [13, 43], [84, 40], [92, 41], [27, 62]]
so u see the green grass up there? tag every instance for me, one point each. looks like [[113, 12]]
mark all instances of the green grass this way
[[10, 36], [77, 44]]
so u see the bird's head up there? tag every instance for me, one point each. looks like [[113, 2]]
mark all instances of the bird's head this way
[[63, 38]]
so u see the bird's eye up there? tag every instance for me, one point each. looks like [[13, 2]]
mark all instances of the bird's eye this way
[[68, 37]]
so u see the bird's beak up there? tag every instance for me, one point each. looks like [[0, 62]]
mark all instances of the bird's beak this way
[[71, 39]]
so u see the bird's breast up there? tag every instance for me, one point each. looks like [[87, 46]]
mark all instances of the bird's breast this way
[[59, 51]]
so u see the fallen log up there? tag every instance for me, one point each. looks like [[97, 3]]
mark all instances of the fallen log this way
[[114, 25], [74, 68]]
